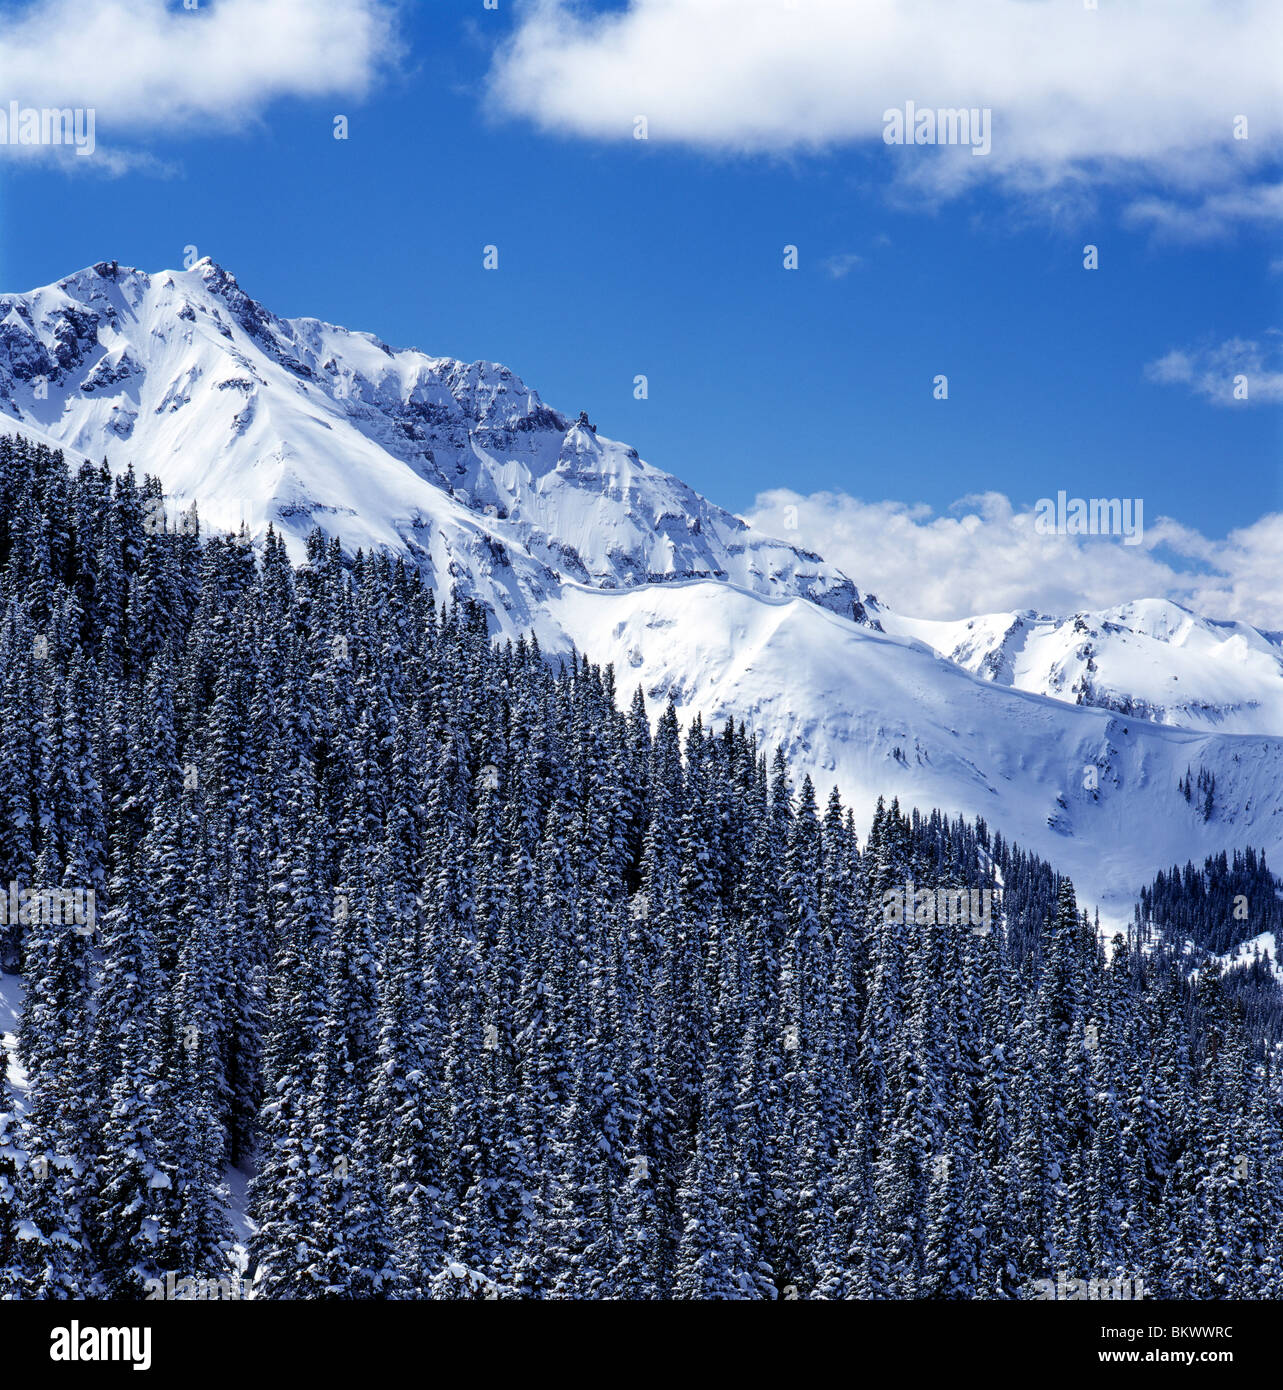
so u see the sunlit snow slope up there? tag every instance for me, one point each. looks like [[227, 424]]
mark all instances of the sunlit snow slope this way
[[1152, 659], [1092, 791]]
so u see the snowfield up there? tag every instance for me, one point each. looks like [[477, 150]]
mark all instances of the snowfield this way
[[1262, 945], [1091, 791], [1151, 658]]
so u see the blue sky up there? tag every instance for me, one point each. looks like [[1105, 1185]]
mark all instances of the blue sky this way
[[664, 257]]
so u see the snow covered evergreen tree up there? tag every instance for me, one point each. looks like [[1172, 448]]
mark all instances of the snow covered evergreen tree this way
[[501, 991]]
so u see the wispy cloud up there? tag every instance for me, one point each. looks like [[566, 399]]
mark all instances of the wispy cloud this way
[[841, 265], [1209, 218], [1237, 371], [1142, 97], [985, 556]]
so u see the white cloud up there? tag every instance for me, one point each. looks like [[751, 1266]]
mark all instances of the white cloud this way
[[1216, 371], [1080, 97], [841, 265], [1208, 218], [986, 556], [147, 70]]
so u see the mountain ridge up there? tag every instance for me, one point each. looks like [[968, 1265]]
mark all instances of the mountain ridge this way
[[263, 419]]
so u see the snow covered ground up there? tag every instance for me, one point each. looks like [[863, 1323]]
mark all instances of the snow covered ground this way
[[1261, 945], [12, 996]]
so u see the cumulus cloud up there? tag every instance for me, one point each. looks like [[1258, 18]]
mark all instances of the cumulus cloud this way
[[1079, 97], [986, 556], [148, 70], [1230, 373]]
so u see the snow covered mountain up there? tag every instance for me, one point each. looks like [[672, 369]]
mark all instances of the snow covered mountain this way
[[1060, 732], [1151, 659], [1092, 791], [299, 423]]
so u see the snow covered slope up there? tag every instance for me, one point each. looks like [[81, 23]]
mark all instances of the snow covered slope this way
[[1258, 947], [1151, 659], [1092, 791], [299, 423]]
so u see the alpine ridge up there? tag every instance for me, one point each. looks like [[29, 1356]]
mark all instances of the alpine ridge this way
[[297, 423]]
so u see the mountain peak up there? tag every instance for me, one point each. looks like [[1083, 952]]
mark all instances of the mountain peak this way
[[215, 278], [300, 423]]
